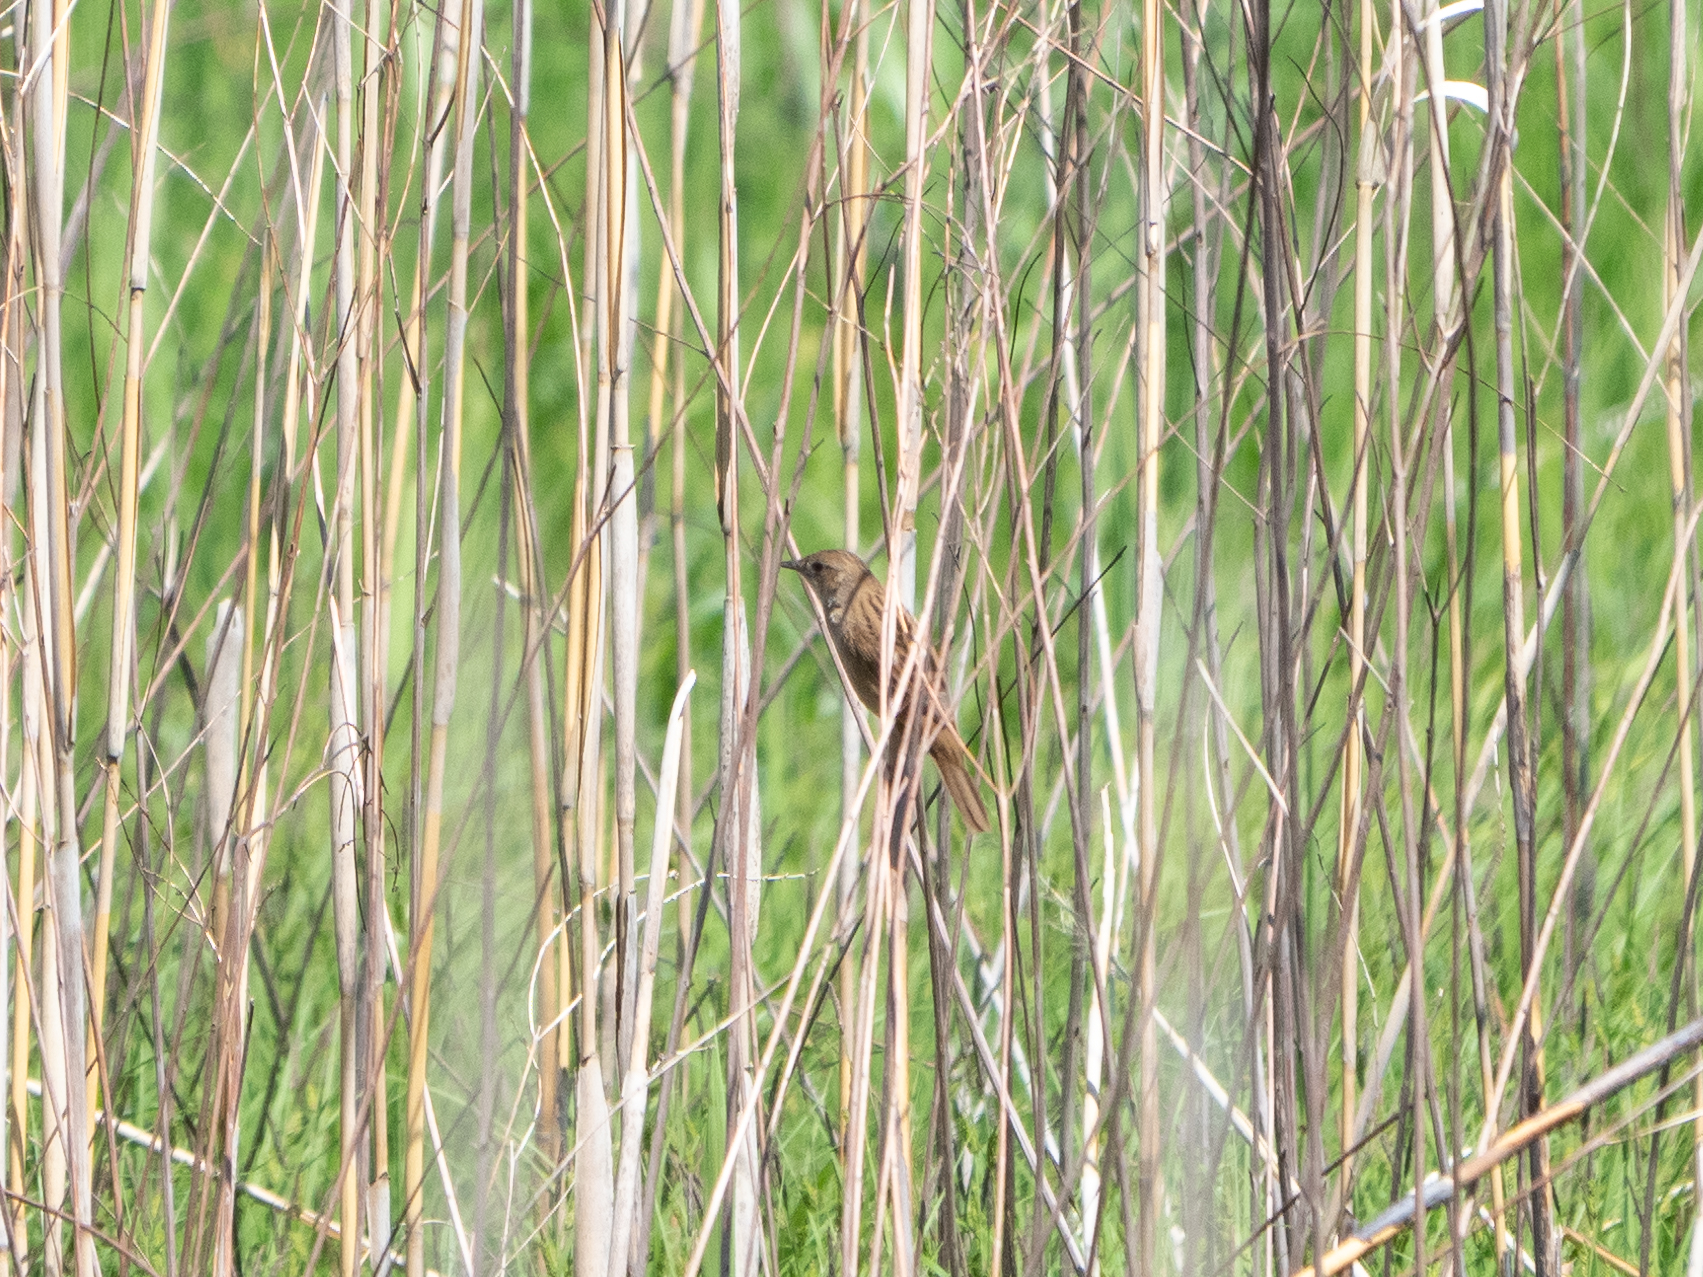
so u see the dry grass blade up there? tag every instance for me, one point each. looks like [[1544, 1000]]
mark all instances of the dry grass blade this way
[[635, 1084]]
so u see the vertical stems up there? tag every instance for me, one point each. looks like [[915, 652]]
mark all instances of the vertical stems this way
[[621, 255], [50, 40], [635, 1083], [124, 570], [739, 1237], [1521, 758], [344, 747], [222, 713], [370, 231], [468, 37], [594, 1188], [17, 656], [685, 24], [1679, 409], [530, 559], [1151, 432], [1575, 602], [1348, 846], [848, 284]]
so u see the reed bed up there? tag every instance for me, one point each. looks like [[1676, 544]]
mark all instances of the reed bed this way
[[1256, 407]]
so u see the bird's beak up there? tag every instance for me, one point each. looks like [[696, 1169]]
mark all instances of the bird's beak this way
[[795, 565]]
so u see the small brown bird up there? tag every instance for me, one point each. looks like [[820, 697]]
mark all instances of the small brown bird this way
[[853, 600]]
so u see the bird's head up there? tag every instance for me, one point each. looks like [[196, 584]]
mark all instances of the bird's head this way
[[832, 575]]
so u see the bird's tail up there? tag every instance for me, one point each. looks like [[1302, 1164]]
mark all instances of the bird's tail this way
[[953, 762]]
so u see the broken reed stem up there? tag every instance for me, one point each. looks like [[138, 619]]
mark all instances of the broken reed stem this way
[[1516, 1140]]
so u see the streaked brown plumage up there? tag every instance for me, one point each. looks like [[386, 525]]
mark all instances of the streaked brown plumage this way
[[852, 601]]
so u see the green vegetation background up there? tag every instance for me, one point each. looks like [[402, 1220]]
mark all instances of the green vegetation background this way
[[199, 396]]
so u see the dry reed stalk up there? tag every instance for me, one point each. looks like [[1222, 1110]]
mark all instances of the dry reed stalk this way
[[447, 611], [745, 1236], [13, 1131], [1521, 750], [594, 1171], [1113, 883], [1407, 461], [1679, 411], [16, 923], [436, 87], [13, 1253], [222, 713], [851, 265], [372, 243], [593, 1191], [31, 835], [685, 25], [50, 41], [1575, 614], [919, 66], [530, 559], [621, 256], [145, 149], [423, 872], [1154, 203], [248, 836], [878, 875], [740, 1244], [343, 745], [892, 811], [636, 1082], [1076, 302], [1349, 847], [1446, 323]]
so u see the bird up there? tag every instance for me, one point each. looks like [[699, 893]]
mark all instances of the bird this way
[[853, 602]]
